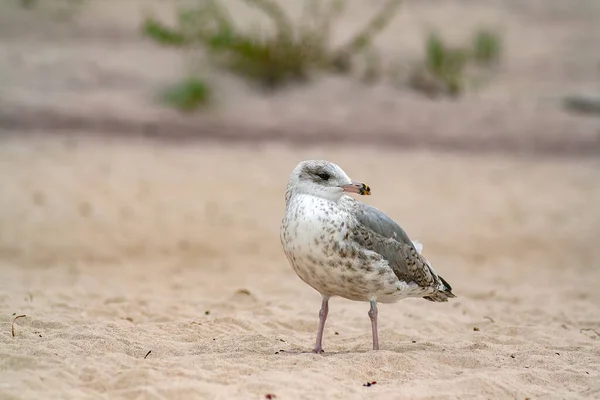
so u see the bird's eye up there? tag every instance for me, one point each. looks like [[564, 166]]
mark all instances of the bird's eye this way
[[323, 176]]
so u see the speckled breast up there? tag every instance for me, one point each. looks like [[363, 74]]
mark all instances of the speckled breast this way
[[318, 248]]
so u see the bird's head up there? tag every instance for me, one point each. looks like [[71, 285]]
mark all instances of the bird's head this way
[[324, 179]]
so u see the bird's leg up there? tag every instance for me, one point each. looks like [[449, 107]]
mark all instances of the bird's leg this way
[[322, 317], [373, 316]]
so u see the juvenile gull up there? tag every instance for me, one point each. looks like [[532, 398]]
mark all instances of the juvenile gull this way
[[342, 247]]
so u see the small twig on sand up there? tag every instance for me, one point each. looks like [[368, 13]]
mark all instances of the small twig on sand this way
[[490, 318], [580, 331], [13, 323], [147, 354]]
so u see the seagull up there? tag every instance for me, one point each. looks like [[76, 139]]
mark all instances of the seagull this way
[[345, 248]]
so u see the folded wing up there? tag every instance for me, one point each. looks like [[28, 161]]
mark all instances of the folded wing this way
[[379, 233]]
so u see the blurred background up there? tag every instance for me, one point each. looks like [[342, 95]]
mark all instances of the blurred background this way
[[513, 78], [145, 147]]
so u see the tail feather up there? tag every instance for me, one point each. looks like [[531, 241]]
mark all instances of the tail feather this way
[[443, 293], [446, 285]]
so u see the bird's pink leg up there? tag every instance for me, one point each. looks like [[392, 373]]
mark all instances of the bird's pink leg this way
[[373, 317], [322, 317]]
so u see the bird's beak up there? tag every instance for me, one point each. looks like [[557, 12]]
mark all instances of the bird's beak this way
[[358, 188]]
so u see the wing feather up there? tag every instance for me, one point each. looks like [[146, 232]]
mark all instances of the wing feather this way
[[381, 234]]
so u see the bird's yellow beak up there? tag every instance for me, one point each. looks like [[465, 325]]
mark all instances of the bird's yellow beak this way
[[358, 187]]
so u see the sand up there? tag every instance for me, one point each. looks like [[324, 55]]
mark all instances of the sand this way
[[118, 250], [153, 269]]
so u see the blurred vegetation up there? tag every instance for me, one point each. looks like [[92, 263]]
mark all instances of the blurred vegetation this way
[[292, 53], [583, 103], [35, 3], [188, 95], [487, 47], [445, 69], [62, 9], [295, 52]]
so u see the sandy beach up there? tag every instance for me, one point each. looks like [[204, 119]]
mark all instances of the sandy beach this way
[[142, 244], [118, 249]]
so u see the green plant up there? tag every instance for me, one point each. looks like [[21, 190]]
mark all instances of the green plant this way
[[445, 67], [187, 95], [487, 47], [161, 34], [291, 54], [446, 63]]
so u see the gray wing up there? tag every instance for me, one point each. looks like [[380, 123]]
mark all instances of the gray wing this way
[[380, 223], [381, 234]]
